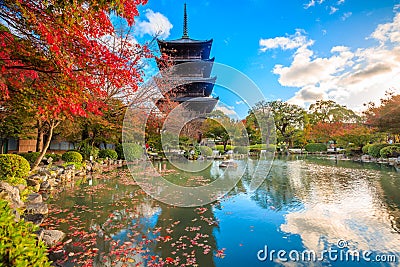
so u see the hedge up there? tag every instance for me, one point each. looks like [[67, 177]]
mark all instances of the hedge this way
[[258, 147], [374, 150], [365, 148], [108, 153], [220, 148], [30, 156], [72, 156], [132, 151], [18, 243], [390, 151], [241, 149], [316, 147], [206, 151], [120, 151], [14, 169], [87, 150]]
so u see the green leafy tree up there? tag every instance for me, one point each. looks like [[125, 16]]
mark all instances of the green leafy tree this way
[[220, 127], [329, 111], [288, 120], [260, 123]]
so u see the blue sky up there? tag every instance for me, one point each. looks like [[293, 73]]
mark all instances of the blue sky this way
[[295, 50]]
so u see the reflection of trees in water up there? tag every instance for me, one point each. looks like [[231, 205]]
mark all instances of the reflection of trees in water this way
[[382, 179], [359, 204], [127, 231], [187, 233], [391, 188], [277, 190]]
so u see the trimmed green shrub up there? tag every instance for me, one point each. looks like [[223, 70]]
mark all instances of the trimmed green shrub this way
[[18, 243], [220, 149], [108, 153], [375, 150], [87, 150], [72, 156], [365, 148], [120, 151], [132, 151], [205, 151], [30, 156], [315, 147], [14, 169], [241, 149], [390, 151], [55, 157]]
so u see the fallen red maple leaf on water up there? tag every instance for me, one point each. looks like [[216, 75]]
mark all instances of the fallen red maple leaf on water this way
[[220, 253], [169, 260]]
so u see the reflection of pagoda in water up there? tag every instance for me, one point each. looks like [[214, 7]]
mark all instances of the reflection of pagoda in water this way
[[187, 79]]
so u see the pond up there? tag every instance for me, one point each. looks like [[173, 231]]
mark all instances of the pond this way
[[308, 211]]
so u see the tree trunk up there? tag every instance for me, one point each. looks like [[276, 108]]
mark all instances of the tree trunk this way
[[85, 132], [2, 146], [52, 126], [40, 136]]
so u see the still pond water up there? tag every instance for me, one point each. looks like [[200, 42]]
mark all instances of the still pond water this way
[[304, 206]]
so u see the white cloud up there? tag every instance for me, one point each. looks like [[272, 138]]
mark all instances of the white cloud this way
[[340, 2], [348, 76], [333, 10], [286, 43], [239, 102], [346, 15], [335, 213], [310, 4], [227, 110], [156, 25], [388, 32]]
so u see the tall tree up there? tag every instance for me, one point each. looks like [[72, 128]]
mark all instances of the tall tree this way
[[288, 119], [386, 116], [56, 55], [260, 123], [224, 129], [329, 111]]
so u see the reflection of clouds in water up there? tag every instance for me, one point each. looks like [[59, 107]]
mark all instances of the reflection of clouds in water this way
[[215, 170], [345, 205]]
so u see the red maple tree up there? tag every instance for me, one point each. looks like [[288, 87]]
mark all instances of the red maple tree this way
[[56, 55]]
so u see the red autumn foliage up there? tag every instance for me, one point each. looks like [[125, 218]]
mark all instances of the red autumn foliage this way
[[59, 52], [63, 57]]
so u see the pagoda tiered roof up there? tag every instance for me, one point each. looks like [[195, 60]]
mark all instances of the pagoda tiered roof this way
[[201, 68], [185, 48], [186, 66]]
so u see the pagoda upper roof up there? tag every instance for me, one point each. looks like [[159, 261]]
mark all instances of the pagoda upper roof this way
[[185, 41]]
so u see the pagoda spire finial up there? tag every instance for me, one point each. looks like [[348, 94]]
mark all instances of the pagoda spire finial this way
[[185, 24]]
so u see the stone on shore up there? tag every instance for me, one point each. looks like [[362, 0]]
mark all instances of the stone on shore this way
[[34, 198], [37, 208], [11, 194], [52, 237]]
